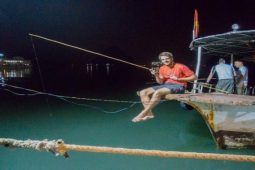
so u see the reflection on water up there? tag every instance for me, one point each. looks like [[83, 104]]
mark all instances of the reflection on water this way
[[15, 73], [94, 68]]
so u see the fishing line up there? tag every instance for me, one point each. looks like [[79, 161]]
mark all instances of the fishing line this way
[[88, 51], [40, 74], [39, 68]]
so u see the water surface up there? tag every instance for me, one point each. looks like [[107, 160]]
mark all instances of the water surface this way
[[40, 117]]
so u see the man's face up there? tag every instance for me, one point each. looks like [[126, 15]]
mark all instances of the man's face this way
[[237, 64], [166, 60]]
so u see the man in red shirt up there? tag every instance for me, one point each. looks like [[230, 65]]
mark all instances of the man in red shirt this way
[[172, 77]]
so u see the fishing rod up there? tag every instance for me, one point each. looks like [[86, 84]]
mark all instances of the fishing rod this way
[[93, 52], [88, 51]]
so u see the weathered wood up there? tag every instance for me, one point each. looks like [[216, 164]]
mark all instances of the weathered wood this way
[[216, 98]]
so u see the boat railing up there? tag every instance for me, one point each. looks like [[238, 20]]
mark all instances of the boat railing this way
[[203, 87], [209, 88], [249, 91]]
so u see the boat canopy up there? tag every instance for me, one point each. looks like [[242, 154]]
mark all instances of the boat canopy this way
[[232, 44], [237, 43]]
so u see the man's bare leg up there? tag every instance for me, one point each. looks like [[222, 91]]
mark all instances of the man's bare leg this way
[[146, 113], [145, 99], [155, 99]]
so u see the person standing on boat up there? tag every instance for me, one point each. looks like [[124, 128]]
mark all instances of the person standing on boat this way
[[225, 73], [172, 77], [242, 77]]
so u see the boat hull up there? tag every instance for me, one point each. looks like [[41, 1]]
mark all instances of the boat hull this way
[[230, 118]]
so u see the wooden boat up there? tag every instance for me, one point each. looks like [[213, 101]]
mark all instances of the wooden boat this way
[[230, 117]]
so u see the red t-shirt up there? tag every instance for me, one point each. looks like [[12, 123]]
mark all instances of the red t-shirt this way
[[178, 70]]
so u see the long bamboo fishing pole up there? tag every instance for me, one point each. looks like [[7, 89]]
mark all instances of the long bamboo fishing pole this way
[[88, 51]]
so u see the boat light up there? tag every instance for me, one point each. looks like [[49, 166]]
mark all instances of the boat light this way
[[235, 27]]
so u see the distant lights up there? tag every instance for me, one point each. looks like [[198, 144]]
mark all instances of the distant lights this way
[[235, 27], [1, 54]]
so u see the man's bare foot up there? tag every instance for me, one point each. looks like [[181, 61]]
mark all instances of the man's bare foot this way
[[147, 118], [143, 116], [142, 119], [137, 118]]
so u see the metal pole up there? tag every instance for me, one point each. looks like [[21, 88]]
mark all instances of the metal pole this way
[[199, 52], [232, 59]]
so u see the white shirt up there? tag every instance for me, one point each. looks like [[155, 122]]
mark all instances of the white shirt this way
[[224, 71], [244, 72]]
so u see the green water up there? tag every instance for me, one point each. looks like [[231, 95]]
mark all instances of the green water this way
[[173, 129]]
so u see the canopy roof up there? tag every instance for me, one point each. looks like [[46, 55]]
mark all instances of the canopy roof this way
[[238, 43]]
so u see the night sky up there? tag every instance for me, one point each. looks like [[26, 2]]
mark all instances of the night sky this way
[[135, 30]]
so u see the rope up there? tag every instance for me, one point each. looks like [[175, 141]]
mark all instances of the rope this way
[[35, 92], [58, 147], [65, 98], [88, 51]]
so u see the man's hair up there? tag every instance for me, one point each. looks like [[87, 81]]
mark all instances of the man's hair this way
[[168, 54], [239, 61], [221, 60]]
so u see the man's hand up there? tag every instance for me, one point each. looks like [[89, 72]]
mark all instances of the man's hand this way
[[153, 71], [245, 83], [173, 77]]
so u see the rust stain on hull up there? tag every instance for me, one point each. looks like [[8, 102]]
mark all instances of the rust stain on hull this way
[[230, 118]]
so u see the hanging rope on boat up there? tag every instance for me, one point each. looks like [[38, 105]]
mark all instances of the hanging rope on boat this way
[[88, 51], [35, 92], [69, 98], [58, 147]]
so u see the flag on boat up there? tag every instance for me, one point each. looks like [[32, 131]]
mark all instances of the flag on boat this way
[[196, 25]]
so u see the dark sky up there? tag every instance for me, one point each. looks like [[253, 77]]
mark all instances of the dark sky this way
[[136, 29]]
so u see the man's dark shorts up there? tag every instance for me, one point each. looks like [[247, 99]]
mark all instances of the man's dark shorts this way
[[174, 88]]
